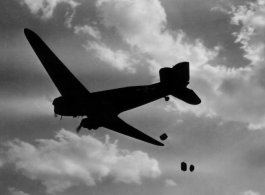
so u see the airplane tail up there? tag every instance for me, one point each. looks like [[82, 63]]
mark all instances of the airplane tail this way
[[176, 80]]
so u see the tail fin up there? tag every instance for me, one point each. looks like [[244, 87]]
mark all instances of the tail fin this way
[[176, 80], [180, 74]]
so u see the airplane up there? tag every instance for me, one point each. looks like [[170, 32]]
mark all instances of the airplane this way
[[102, 108]]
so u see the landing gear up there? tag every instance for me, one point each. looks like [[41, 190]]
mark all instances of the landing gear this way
[[166, 98]]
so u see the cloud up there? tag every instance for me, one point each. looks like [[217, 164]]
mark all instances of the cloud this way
[[251, 14], [46, 7], [251, 35], [118, 59], [142, 25], [170, 183], [90, 30], [249, 193], [12, 191], [72, 160]]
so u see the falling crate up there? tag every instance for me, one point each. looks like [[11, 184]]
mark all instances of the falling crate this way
[[184, 166], [163, 136], [192, 168]]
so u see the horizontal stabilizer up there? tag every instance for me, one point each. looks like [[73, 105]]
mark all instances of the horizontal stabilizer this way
[[187, 95], [118, 125]]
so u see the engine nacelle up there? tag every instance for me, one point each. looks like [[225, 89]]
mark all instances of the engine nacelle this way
[[90, 123], [66, 107]]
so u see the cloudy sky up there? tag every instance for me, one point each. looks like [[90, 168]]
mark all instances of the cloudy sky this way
[[117, 43]]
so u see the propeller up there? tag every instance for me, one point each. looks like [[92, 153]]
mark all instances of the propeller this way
[[48, 98], [78, 128]]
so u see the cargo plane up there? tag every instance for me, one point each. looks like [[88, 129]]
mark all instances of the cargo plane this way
[[101, 109]]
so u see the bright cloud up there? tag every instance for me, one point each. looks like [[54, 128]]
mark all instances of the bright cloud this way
[[142, 24], [46, 7], [249, 193], [90, 30], [252, 16], [72, 160], [170, 183], [12, 191], [118, 59]]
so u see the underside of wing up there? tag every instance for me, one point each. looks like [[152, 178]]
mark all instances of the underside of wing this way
[[64, 80], [118, 125]]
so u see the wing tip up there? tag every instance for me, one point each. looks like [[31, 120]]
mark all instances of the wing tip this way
[[27, 32], [30, 35], [160, 144], [157, 143]]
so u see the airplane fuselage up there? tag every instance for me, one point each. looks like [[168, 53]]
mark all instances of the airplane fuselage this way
[[109, 102]]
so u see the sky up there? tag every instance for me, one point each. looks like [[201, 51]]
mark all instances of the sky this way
[[117, 43]]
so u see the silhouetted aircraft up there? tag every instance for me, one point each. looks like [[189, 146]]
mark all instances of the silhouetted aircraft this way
[[102, 108]]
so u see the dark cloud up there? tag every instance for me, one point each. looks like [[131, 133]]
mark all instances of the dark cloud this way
[[255, 156], [10, 178]]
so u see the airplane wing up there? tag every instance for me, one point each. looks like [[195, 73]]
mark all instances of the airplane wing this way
[[64, 80], [118, 125]]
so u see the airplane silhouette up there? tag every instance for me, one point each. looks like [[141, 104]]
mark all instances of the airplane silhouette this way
[[102, 108]]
